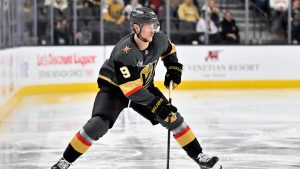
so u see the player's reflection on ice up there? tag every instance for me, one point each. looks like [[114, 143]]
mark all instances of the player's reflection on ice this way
[[247, 129]]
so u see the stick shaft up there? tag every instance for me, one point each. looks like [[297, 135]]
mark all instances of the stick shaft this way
[[169, 122]]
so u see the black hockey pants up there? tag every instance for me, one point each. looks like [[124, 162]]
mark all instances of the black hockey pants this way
[[109, 103]]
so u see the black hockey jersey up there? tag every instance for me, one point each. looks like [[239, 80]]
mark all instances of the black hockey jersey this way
[[133, 70]]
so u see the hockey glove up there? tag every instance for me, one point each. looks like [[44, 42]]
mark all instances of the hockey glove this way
[[174, 71], [172, 119], [162, 108]]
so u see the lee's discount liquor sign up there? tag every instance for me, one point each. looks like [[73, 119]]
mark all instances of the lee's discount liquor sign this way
[[47, 59], [65, 64]]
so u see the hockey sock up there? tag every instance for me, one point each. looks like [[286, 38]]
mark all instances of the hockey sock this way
[[188, 141], [78, 145]]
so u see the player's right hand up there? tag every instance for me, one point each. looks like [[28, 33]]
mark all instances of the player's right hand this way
[[174, 71], [162, 108]]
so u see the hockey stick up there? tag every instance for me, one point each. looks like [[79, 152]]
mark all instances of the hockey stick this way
[[169, 122]]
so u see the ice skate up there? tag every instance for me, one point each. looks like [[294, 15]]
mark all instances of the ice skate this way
[[61, 164], [205, 161]]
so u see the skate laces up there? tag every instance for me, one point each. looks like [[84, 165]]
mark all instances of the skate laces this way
[[63, 164], [203, 157]]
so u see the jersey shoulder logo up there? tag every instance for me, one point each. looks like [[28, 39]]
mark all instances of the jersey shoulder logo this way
[[126, 49], [146, 52], [139, 64]]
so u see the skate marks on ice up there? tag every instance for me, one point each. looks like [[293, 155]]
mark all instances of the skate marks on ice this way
[[36, 136], [246, 129]]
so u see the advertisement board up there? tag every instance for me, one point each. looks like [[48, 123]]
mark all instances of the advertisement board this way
[[58, 65], [31, 66], [232, 63], [9, 77]]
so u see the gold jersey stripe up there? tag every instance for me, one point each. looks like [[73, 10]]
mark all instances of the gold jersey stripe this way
[[130, 86], [171, 52], [186, 138], [173, 48], [78, 145]]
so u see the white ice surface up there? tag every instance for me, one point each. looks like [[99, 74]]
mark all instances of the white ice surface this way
[[247, 129]]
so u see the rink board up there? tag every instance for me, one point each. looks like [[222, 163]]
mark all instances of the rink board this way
[[34, 70]]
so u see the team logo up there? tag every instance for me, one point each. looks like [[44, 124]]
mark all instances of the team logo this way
[[213, 55], [126, 49], [147, 73]]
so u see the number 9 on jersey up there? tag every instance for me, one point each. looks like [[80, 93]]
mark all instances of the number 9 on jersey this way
[[125, 72]]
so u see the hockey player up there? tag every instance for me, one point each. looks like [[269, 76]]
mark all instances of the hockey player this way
[[128, 75]]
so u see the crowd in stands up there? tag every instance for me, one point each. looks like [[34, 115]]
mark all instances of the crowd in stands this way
[[277, 11], [190, 19]]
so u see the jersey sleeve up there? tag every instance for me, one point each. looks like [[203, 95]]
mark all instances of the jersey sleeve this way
[[169, 55], [129, 79]]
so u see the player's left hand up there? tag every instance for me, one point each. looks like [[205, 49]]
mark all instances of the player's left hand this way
[[174, 71]]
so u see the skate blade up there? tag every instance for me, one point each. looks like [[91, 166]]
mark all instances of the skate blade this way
[[215, 167]]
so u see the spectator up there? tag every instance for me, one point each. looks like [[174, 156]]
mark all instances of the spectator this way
[[129, 7], [42, 23], [96, 7], [188, 12], [85, 11], [279, 5], [230, 31], [142, 2], [262, 4], [28, 16], [209, 26], [96, 3], [113, 12], [175, 5], [61, 36], [60, 8], [296, 21], [162, 12], [58, 4], [212, 9], [155, 4], [278, 8], [200, 3]]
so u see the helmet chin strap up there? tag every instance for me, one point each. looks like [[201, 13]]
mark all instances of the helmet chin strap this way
[[141, 38], [139, 34]]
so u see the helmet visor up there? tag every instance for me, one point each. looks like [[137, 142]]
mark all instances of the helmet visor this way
[[152, 25]]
